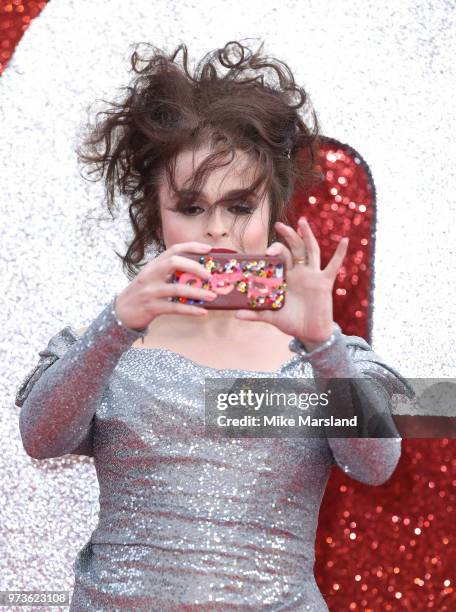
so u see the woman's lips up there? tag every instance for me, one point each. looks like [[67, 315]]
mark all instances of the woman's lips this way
[[221, 250]]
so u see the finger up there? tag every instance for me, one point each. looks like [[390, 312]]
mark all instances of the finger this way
[[337, 259], [298, 247], [178, 290], [308, 230], [306, 239], [185, 264], [312, 246], [178, 309], [277, 248]]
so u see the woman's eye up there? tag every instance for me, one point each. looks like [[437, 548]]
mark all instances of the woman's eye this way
[[243, 209], [189, 210]]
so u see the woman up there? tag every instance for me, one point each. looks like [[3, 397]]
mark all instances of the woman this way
[[187, 521]]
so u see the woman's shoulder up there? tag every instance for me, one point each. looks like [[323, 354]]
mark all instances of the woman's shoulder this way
[[56, 347]]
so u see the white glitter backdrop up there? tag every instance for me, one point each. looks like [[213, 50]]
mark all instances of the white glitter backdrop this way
[[381, 76]]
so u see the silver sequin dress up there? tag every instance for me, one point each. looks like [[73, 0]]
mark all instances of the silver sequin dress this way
[[189, 522]]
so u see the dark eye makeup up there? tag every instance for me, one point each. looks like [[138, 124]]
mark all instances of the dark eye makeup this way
[[189, 210]]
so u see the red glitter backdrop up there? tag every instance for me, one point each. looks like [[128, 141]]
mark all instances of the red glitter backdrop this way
[[389, 547]]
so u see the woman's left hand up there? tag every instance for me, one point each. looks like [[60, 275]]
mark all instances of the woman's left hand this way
[[308, 310]]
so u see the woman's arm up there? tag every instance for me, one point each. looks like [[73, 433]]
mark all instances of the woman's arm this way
[[366, 394], [59, 397]]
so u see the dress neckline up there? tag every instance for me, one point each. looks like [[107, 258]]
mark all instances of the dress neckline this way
[[195, 364], [173, 354]]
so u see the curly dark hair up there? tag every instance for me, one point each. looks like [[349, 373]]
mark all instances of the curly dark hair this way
[[168, 110]]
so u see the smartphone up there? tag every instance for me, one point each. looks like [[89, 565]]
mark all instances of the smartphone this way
[[256, 282]]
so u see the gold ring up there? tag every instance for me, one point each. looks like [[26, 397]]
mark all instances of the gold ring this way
[[302, 260]]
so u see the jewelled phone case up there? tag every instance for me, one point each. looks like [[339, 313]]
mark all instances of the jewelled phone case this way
[[241, 281]]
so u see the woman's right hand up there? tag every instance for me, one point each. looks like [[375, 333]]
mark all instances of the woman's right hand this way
[[147, 295]]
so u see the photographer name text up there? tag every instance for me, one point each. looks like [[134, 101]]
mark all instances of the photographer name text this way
[[284, 421]]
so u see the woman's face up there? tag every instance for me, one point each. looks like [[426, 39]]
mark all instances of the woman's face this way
[[207, 217]]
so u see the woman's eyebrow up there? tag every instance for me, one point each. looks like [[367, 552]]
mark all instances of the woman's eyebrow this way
[[234, 193]]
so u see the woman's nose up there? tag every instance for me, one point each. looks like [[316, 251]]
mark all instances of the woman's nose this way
[[216, 225]]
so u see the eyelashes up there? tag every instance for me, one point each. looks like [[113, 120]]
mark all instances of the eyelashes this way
[[189, 210]]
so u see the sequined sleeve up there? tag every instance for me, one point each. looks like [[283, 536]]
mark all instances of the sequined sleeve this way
[[59, 396], [372, 383]]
